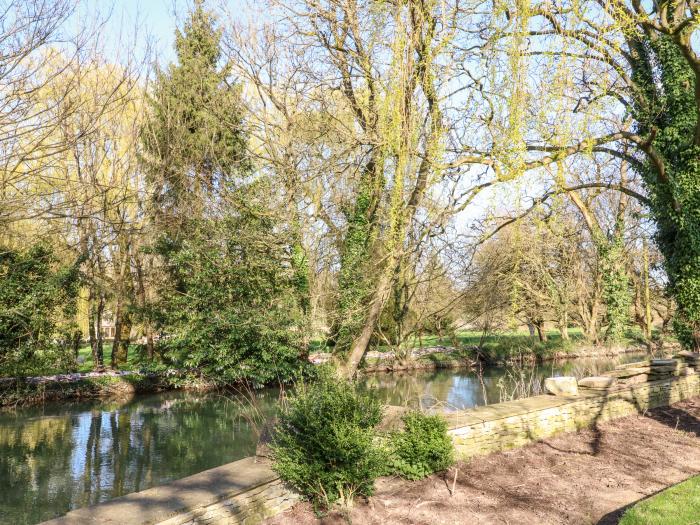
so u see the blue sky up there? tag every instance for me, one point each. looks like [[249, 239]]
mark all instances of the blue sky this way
[[157, 21]]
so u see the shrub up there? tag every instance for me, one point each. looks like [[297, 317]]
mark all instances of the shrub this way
[[228, 310], [421, 448], [37, 306], [324, 445]]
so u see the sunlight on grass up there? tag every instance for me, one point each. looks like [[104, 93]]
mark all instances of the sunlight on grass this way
[[85, 358], [678, 505]]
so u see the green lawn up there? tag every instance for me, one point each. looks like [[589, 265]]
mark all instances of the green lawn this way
[[502, 345], [85, 355], [678, 505]]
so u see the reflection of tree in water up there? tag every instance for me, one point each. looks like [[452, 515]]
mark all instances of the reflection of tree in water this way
[[459, 389], [84, 453], [35, 458]]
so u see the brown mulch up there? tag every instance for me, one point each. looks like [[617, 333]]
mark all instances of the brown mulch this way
[[587, 477]]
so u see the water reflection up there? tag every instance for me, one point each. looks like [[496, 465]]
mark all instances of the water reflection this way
[[63, 456], [59, 457], [458, 389]]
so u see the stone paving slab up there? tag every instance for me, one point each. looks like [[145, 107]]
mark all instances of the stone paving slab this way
[[160, 503]]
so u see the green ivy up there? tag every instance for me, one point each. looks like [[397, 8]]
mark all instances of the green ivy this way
[[617, 293], [666, 110], [355, 282]]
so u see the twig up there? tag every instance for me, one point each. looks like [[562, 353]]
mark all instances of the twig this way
[[454, 482]]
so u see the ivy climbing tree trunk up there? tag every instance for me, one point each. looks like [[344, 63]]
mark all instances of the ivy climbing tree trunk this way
[[667, 70], [650, 70]]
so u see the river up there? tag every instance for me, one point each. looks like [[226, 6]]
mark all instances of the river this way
[[61, 456]]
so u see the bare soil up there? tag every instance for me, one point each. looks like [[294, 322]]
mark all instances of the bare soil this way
[[587, 477]]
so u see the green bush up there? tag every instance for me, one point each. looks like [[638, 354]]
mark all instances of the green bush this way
[[228, 311], [37, 307], [324, 445], [421, 448]]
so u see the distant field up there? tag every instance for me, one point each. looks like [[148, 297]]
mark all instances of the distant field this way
[[504, 344], [497, 345]]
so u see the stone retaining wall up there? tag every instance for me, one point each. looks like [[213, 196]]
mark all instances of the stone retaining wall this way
[[242, 492], [507, 425], [246, 492], [247, 508]]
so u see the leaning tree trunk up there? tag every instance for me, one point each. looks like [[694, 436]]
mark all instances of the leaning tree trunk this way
[[360, 344]]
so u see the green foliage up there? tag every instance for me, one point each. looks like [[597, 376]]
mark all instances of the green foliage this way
[[324, 445], [666, 111], [300, 266], [37, 308], [422, 447], [617, 293], [230, 310], [230, 306], [193, 141]]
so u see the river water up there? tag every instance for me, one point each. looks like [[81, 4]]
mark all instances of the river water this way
[[61, 456]]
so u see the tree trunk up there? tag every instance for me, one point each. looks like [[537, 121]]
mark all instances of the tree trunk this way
[[125, 339], [122, 334], [564, 331], [143, 303], [531, 329], [116, 342], [541, 332], [563, 321], [647, 295], [360, 344], [96, 343]]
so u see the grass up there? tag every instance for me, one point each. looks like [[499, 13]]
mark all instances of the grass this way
[[498, 346], [678, 505], [508, 344], [86, 364], [504, 344]]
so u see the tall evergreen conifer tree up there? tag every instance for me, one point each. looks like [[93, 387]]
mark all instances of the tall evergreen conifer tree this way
[[228, 308]]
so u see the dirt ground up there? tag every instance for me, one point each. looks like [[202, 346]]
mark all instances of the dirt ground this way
[[588, 477]]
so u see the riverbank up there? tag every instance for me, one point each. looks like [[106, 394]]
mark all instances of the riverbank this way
[[24, 392], [445, 357], [126, 384], [109, 384], [585, 477]]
